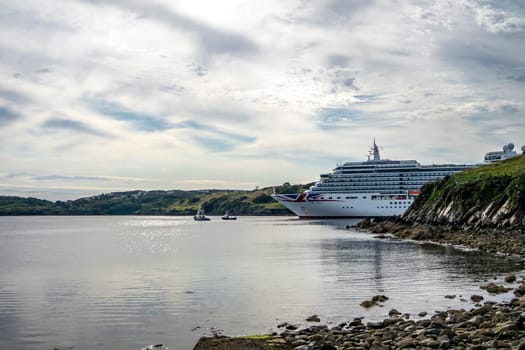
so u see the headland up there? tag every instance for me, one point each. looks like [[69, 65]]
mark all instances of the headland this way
[[481, 208]]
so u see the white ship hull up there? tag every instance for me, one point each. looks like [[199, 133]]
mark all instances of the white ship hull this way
[[343, 205]]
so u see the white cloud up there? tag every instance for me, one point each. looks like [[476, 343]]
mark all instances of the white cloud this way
[[194, 94]]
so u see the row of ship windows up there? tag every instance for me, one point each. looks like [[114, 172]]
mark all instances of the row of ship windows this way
[[383, 207], [417, 185], [364, 189], [390, 173], [386, 191], [364, 197], [393, 183], [374, 176], [375, 179], [330, 186], [397, 170], [372, 180], [395, 207], [345, 174], [380, 176], [387, 180]]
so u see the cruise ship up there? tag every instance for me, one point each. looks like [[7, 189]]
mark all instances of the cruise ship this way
[[372, 188]]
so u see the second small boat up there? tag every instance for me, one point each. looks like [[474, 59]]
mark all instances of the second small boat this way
[[227, 216]]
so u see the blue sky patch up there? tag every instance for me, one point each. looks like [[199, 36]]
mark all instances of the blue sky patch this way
[[195, 125], [13, 96], [73, 125], [65, 177], [213, 144], [7, 116], [337, 117], [140, 121]]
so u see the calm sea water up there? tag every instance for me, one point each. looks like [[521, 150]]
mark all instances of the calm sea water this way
[[126, 282]]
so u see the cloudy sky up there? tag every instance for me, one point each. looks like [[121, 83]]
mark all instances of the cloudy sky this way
[[99, 96]]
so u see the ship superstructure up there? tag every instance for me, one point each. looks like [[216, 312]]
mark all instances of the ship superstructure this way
[[507, 152], [372, 188]]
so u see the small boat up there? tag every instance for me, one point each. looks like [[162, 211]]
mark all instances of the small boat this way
[[227, 216], [200, 216], [155, 347]]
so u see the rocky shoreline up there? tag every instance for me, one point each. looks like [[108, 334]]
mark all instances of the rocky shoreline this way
[[492, 240], [486, 326]]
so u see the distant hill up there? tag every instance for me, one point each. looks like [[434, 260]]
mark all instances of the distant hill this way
[[173, 202]]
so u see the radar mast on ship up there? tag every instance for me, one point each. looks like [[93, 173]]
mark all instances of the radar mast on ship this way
[[374, 151]]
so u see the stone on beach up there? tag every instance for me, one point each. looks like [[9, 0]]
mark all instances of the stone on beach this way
[[476, 298], [493, 288], [379, 298], [520, 291], [510, 278], [375, 301], [241, 343], [491, 325], [367, 303], [313, 318], [393, 312]]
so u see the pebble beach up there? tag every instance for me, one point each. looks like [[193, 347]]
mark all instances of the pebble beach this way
[[488, 325]]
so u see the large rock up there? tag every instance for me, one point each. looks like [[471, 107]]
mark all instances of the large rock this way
[[367, 303], [313, 318], [520, 291], [476, 298], [510, 278], [493, 288], [241, 343], [406, 342]]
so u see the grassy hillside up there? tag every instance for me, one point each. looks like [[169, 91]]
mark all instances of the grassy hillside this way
[[478, 184], [509, 167], [491, 194], [175, 202], [24, 206]]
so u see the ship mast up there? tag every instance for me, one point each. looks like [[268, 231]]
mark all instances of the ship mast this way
[[376, 151]]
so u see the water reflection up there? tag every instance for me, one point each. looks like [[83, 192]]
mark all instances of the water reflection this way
[[415, 276], [125, 282], [479, 265], [455, 261]]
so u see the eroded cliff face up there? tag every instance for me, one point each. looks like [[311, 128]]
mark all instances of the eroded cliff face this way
[[487, 202], [482, 208]]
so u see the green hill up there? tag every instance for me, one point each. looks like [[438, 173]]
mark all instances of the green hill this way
[[174, 202]]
